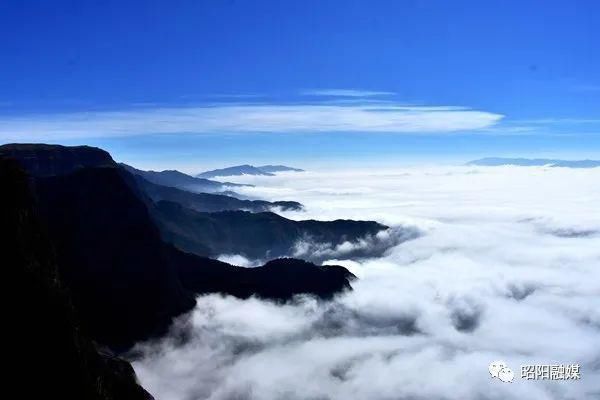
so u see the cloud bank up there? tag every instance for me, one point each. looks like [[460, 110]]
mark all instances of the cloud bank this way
[[245, 118], [493, 276]]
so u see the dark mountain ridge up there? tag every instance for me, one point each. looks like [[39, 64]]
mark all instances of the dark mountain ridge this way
[[48, 160], [173, 178], [211, 225], [126, 283], [211, 202], [261, 235]]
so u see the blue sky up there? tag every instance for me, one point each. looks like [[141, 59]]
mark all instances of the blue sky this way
[[207, 83]]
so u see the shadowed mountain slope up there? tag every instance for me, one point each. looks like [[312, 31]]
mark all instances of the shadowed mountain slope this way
[[254, 235], [49, 354], [126, 283], [111, 255], [209, 202]]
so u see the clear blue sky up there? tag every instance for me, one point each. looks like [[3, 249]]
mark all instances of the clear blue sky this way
[[209, 83]]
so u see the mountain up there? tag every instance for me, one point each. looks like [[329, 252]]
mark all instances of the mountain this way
[[208, 202], [529, 162], [278, 168], [110, 255], [253, 235], [173, 178], [48, 354], [234, 171], [210, 224], [125, 282], [264, 170], [274, 280]]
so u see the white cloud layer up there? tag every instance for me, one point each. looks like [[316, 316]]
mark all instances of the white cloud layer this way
[[267, 118], [507, 268]]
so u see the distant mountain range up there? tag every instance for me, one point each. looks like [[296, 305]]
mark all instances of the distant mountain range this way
[[531, 162], [183, 181], [265, 170], [211, 202], [209, 224]]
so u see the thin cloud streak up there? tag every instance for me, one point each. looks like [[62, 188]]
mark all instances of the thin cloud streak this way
[[240, 118], [589, 88], [346, 93], [544, 121]]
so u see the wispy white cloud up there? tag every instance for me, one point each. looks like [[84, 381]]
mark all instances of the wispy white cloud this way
[[345, 93], [586, 88], [241, 118], [512, 130], [235, 95], [544, 121], [543, 126]]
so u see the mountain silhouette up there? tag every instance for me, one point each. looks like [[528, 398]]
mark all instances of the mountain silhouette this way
[[254, 235], [49, 353], [531, 162], [173, 178], [211, 202], [264, 170], [125, 282], [234, 171]]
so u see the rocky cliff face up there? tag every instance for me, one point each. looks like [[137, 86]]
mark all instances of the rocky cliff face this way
[[50, 160], [48, 353], [111, 255]]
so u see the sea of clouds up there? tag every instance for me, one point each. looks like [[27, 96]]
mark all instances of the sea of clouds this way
[[506, 266]]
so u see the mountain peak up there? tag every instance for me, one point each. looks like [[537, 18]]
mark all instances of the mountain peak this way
[[174, 178], [50, 159], [236, 170], [247, 169]]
